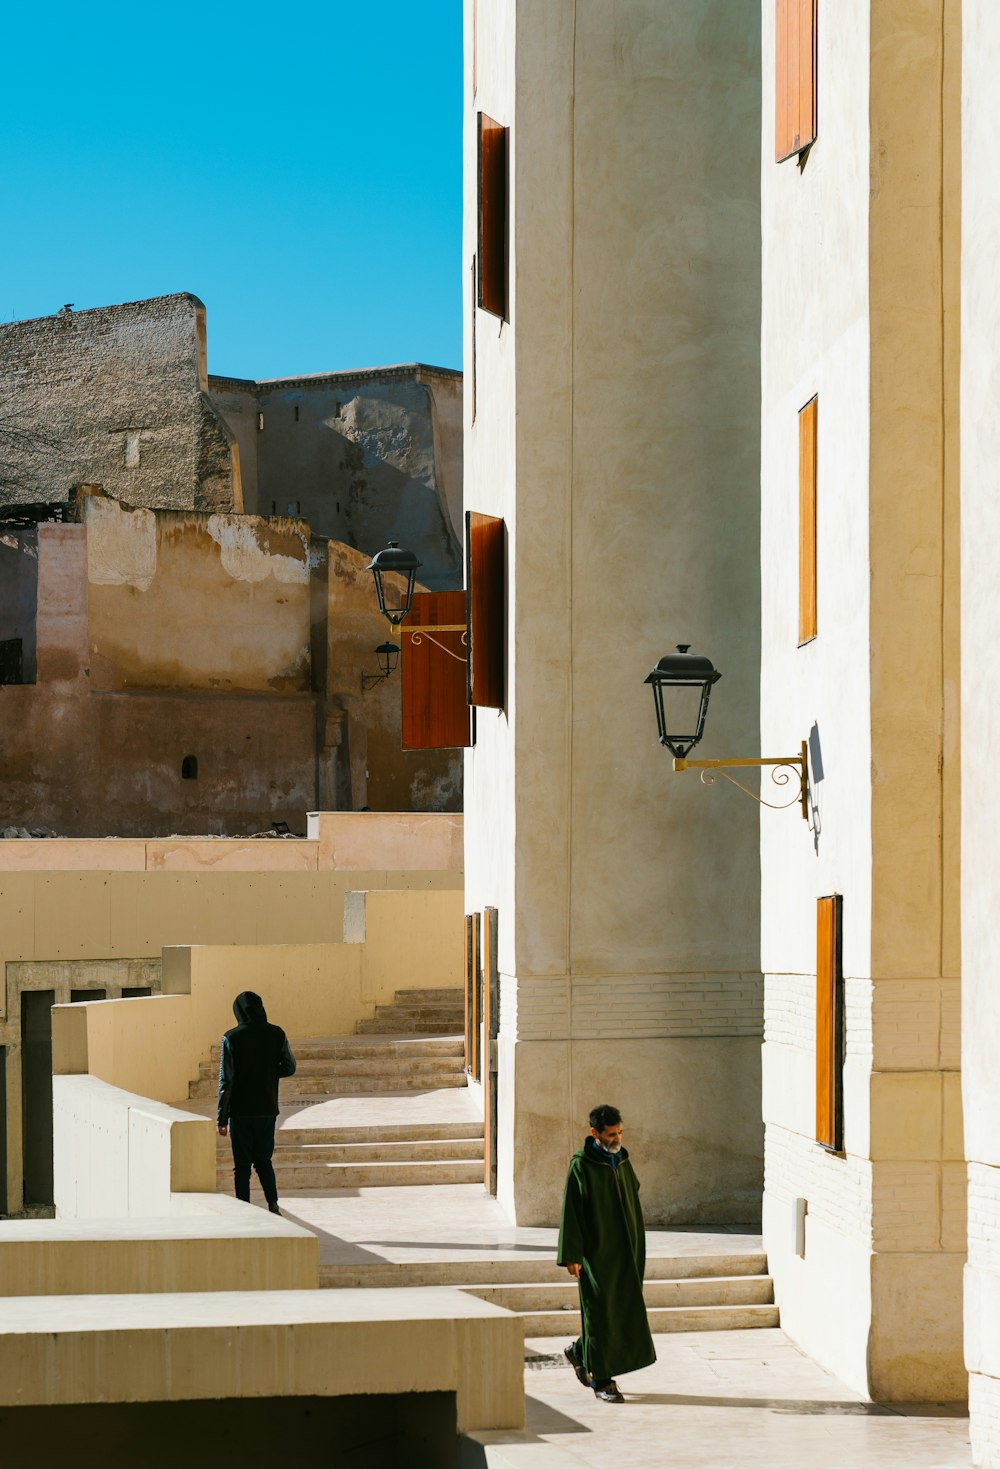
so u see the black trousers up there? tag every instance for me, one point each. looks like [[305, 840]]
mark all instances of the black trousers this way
[[253, 1145]]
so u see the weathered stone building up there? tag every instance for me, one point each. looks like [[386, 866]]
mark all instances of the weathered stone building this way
[[195, 673], [362, 456], [115, 397], [120, 397]]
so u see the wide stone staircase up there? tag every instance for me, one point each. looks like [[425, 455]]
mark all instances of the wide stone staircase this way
[[413, 1045], [711, 1292]]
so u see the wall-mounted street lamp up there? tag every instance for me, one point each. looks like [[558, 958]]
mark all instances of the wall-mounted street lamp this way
[[399, 563], [388, 656], [682, 683]]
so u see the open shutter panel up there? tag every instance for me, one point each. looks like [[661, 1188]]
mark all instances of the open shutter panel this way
[[794, 76], [492, 216], [484, 568], [435, 673], [829, 1024], [808, 432]]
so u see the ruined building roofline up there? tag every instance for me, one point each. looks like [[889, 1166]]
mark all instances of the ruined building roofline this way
[[312, 379], [193, 300]]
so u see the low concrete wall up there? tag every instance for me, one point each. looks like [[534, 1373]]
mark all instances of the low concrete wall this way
[[408, 940], [338, 841], [117, 1155], [209, 1242], [415, 841], [247, 1344], [154, 1046]]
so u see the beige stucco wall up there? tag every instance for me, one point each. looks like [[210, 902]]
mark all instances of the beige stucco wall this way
[[859, 303], [615, 431], [82, 915], [980, 446]]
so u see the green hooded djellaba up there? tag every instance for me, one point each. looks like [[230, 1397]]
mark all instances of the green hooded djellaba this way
[[602, 1230]]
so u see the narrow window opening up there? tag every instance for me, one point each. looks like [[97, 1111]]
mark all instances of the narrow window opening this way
[[274, 507], [260, 423], [296, 413], [293, 507], [336, 409], [11, 660], [189, 767]]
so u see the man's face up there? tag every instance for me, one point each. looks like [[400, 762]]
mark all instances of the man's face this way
[[611, 1138]]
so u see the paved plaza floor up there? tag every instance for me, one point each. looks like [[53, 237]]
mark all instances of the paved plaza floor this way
[[722, 1399]]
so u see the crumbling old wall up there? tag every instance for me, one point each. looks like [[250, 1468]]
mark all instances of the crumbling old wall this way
[[364, 457], [199, 674], [116, 397]]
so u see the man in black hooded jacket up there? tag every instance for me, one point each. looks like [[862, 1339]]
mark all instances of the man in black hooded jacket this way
[[254, 1055]]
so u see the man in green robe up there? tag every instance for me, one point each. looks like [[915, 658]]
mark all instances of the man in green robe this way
[[602, 1243]]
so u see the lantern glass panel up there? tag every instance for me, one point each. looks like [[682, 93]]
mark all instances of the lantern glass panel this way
[[682, 705]]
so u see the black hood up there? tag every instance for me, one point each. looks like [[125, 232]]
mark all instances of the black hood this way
[[247, 1007]]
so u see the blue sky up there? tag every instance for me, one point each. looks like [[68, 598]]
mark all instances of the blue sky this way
[[297, 167]]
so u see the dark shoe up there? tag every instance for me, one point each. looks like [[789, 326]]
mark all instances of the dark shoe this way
[[572, 1355], [608, 1392], [273, 1208]]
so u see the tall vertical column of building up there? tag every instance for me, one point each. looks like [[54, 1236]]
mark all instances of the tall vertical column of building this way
[[611, 412], [859, 336], [981, 720]]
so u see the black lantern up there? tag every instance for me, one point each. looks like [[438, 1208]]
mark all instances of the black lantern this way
[[399, 563], [388, 656], [682, 682]]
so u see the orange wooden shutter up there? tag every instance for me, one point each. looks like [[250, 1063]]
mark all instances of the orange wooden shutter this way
[[476, 1017], [794, 76], [829, 1024], [484, 566], [808, 431], [435, 706], [492, 216]]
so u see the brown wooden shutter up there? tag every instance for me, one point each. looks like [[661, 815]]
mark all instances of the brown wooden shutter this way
[[808, 431], [492, 216], [829, 1024], [491, 1028], [435, 704], [484, 579], [794, 76]]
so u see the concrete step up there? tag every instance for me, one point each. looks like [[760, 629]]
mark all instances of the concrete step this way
[[301, 1178], [414, 1024], [563, 1296], [390, 1132], [400, 1045], [668, 1318], [473, 1273], [296, 1088], [422, 1150], [441, 995], [410, 1064]]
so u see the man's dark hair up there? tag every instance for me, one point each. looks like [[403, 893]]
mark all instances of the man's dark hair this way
[[604, 1116]]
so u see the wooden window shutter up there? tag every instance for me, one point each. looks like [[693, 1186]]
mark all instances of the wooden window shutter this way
[[795, 33], [484, 580], [491, 1029], [808, 430], [435, 706], [829, 1024], [493, 176]]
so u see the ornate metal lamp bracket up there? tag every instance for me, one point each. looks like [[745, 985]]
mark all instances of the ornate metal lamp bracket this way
[[781, 775]]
